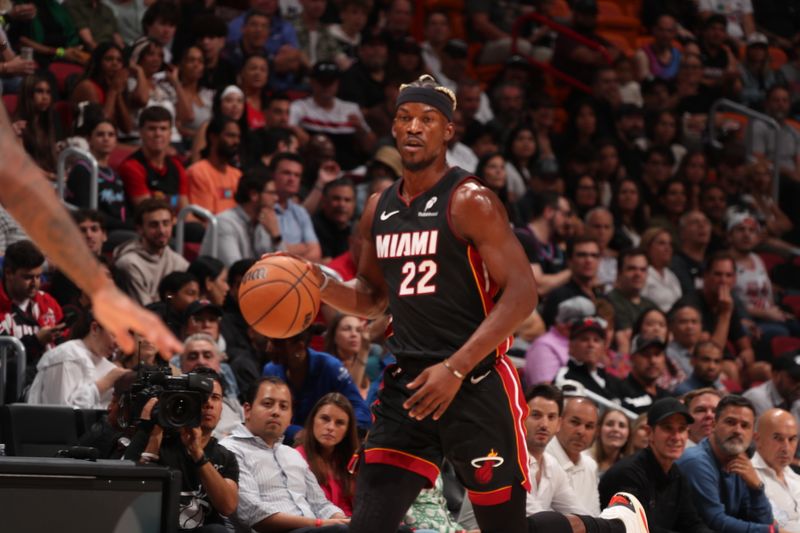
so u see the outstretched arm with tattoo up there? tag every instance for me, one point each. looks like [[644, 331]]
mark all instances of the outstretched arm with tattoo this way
[[30, 199]]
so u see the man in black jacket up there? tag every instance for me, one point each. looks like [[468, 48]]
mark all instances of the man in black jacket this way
[[651, 474]]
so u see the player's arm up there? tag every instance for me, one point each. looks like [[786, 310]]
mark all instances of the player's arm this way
[[27, 195], [478, 217], [364, 296]]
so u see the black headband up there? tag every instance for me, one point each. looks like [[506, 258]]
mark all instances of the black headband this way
[[431, 97]]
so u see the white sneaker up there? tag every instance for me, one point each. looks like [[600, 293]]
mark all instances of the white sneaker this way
[[624, 506]]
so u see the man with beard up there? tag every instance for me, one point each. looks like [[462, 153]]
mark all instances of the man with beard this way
[[333, 222], [702, 404], [729, 494], [694, 232], [707, 368], [213, 179], [149, 258], [583, 259], [651, 474], [640, 388], [787, 154]]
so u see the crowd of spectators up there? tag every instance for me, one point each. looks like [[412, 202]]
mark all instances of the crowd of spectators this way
[[666, 258]]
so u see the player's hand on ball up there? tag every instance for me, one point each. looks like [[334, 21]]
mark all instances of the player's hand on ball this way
[[436, 387], [316, 271]]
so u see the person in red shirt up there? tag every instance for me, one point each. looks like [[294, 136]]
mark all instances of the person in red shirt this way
[[26, 312], [151, 172]]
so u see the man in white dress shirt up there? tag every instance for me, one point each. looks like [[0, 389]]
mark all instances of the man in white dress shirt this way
[[78, 373], [776, 444], [578, 425], [277, 491]]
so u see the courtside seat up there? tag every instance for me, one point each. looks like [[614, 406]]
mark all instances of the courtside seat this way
[[38, 430]]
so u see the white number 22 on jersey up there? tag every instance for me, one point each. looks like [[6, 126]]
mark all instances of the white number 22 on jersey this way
[[425, 270]]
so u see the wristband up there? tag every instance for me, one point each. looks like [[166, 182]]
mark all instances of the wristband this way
[[326, 279], [203, 460], [60, 52], [318, 522], [455, 372]]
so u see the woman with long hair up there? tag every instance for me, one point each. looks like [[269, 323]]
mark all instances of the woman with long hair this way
[[102, 137], [629, 213], [662, 285], [585, 194], [190, 72], [346, 339], [330, 439], [664, 132], [154, 82], [693, 171], [212, 276], [609, 447], [36, 122], [639, 435], [581, 129], [106, 83], [253, 79], [521, 154], [228, 102], [491, 169], [609, 169]]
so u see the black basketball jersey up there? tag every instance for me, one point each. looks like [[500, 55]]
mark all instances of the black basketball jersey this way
[[439, 288]]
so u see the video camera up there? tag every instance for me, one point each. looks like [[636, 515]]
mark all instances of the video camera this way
[[180, 398]]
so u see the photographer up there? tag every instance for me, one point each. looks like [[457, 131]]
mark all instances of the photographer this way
[[209, 472]]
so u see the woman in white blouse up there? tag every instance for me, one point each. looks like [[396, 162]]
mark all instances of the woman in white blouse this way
[[78, 373], [662, 285]]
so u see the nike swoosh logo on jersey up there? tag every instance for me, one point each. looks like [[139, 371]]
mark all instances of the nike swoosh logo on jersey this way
[[386, 216], [477, 379]]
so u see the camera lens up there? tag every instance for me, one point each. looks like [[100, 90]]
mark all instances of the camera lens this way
[[180, 409]]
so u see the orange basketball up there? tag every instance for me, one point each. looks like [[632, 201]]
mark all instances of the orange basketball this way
[[279, 296]]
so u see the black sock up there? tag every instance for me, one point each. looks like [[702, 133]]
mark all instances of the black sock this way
[[602, 525]]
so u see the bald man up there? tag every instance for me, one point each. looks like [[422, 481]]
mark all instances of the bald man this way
[[776, 443]]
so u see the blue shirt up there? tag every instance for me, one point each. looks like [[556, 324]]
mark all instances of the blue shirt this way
[[723, 500], [325, 374], [296, 225]]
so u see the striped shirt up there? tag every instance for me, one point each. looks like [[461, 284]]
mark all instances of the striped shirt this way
[[273, 480]]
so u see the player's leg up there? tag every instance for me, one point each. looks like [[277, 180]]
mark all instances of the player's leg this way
[[624, 514], [483, 436], [383, 495], [500, 518]]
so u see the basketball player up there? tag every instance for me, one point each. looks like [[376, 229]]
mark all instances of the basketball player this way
[[28, 196], [439, 254]]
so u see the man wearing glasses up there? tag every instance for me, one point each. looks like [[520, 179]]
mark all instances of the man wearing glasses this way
[[583, 260]]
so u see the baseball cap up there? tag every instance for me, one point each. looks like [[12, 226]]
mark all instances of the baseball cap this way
[[739, 217], [198, 306], [325, 71], [389, 156], [641, 343], [757, 39], [790, 363], [574, 309], [666, 407], [589, 323]]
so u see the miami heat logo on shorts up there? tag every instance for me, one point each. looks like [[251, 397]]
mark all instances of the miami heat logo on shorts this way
[[484, 466]]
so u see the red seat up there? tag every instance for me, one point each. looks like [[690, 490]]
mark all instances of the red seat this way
[[120, 153], [62, 71], [793, 303], [771, 260], [781, 345], [10, 101]]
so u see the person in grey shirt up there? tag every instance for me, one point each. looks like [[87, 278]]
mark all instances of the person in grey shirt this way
[[251, 228], [781, 390], [10, 231]]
